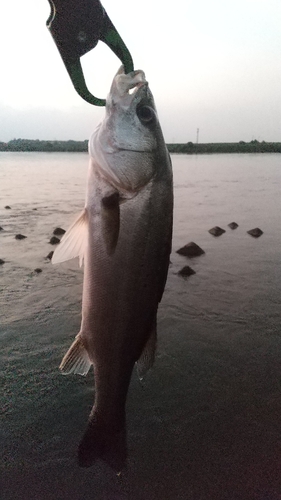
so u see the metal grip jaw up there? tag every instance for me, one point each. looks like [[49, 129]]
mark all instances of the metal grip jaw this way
[[76, 27]]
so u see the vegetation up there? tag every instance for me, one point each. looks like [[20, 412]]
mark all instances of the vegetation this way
[[226, 147], [47, 146], [187, 148]]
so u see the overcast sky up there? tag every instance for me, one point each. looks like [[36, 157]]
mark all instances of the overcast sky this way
[[211, 64]]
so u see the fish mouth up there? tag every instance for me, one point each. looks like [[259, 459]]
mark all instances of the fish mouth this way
[[133, 89], [125, 86]]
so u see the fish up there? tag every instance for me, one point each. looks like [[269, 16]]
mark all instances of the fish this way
[[123, 236]]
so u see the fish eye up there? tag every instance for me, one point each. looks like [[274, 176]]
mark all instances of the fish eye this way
[[145, 114]]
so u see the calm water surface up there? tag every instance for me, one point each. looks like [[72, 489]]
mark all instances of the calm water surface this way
[[206, 424]]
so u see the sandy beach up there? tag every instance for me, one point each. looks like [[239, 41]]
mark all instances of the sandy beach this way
[[205, 424]]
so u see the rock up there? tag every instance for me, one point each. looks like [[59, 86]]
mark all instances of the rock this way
[[50, 255], [216, 231], [54, 240], [1, 228], [20, 237], [2, 262], [256, 232], [186, 271], [233, 225], [38, 270], [191, 250], [34, 209], [58, 231], [7, 207]]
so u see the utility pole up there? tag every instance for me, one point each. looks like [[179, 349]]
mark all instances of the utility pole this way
[[197, 136]]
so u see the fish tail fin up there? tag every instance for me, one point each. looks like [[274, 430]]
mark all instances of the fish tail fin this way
[[104, 441]]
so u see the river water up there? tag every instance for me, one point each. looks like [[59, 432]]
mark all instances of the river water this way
[[205, 424]]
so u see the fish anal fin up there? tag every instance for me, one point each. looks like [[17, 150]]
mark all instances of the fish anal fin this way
[[110, 217], [76, 360], [74, 241], [146, 359]]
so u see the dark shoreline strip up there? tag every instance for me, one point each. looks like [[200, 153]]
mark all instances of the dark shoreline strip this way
[[29, 145]]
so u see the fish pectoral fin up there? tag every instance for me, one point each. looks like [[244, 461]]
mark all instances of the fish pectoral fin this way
[[74, 242], [146, 359], [110, 218], [76, 359]]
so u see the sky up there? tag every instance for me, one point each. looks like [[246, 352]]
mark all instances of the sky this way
[[212, 65]]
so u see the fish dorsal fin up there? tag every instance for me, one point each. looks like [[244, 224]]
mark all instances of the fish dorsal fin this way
[[76, 359], [110, 219], [146, 359], [74, 242]]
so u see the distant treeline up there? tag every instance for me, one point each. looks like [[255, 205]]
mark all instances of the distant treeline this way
[[30, 145], [226, 147], [187, 148]]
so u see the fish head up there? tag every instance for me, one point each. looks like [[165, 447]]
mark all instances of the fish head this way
[[131, 113], [127, 145]]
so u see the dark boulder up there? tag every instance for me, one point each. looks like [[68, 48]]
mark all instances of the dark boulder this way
[[54, 240], [1, 228], [7, 207], [186, 271], [2, 262], [59, 231], [190, 250], [216, 231], [233, 225], [50, 255], [256, 232], [20, 237], [38, 270]]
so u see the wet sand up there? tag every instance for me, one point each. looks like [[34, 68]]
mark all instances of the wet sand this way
[[204, 425]]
